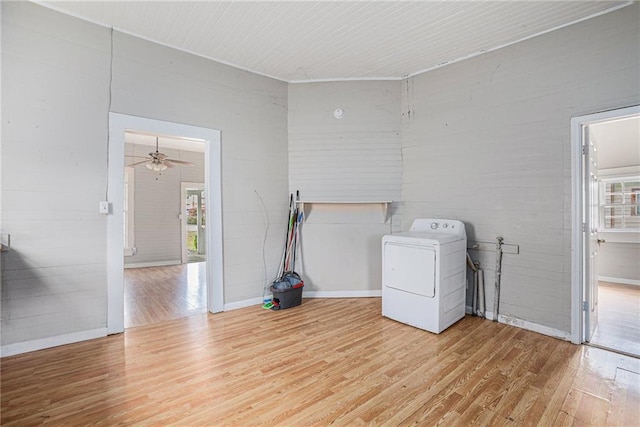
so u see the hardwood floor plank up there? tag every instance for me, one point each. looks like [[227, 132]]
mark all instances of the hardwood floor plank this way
[[625, 392], [564, 420], [474, 415], [554, 383], [333, 361]]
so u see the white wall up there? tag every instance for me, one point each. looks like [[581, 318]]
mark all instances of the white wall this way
[[158, 229], [251, 111], [619, 262], [55, 103], [356, 158], [487, 141], [55, 74]]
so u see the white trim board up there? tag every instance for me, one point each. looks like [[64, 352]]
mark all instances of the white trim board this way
[[534, 327], [530, 326], [183, 218], [523, 324], [152, 264], [242, 304], [42, 343], [619, 280], [306, 294], [118, 124], [342, 294]]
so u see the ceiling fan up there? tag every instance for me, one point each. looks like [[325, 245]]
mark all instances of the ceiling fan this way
[[158, 161]]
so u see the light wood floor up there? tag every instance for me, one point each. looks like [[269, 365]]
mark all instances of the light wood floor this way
[[327, 361], [156, 294], [618, 318]]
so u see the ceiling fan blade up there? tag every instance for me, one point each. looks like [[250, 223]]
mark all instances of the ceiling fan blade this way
[[138, 163], [168, 164], [179, 162]]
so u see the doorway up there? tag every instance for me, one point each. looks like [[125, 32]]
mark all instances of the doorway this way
[[606, 230], [118, 125], [157, 285]]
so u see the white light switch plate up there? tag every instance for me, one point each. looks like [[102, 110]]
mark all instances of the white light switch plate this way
[[104, 207]]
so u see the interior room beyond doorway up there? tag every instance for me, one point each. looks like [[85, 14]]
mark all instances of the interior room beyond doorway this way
[[610, 174], [157, 294]]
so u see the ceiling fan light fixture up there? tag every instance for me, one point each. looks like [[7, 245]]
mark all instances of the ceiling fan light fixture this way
[[156, 161]]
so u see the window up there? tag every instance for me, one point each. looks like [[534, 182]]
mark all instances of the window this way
[[620, 204]]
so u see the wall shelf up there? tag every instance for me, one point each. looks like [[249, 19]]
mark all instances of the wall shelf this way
[[307, 205]]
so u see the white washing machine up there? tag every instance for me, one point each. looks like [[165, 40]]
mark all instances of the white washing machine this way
[[424, 274]]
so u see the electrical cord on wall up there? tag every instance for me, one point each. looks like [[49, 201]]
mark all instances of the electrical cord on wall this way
[[106, 190], [264, 242]]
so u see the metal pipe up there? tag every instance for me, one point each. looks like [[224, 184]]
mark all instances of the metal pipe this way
[[483, 305], [496, 296], [474, 290], [474, 294]]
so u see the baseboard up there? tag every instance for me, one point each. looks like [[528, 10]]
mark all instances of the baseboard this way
[[152, 264], [342, 294], [619, 280], [307, 294], [42, 343], [530, 326], [242, 304]]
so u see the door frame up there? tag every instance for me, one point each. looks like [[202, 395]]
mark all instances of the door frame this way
[[118, 124], [579, 249], [183, 219]]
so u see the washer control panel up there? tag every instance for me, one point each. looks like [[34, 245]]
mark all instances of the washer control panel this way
[[444, 226]]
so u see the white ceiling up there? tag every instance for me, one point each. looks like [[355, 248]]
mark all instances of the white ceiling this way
[[335, 40]]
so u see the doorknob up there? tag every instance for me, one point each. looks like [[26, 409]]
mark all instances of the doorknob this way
[[601, 241]]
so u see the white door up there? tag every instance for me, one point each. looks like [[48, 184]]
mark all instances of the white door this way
[[410, 268], [193, 222], [592, 242]]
